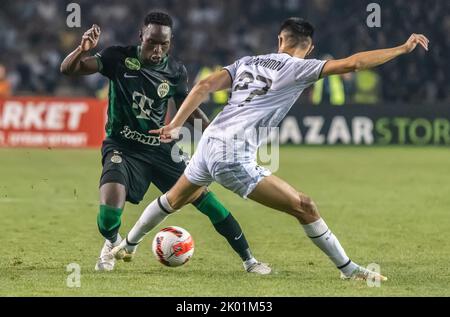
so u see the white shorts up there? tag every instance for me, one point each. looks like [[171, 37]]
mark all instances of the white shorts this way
[[237, 172]]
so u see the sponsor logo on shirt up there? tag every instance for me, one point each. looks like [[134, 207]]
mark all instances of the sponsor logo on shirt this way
[[127, 133]]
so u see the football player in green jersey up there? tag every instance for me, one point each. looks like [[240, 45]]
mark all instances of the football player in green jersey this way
[[142, 80]]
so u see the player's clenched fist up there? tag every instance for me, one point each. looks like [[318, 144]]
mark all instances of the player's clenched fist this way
[[90, 38]]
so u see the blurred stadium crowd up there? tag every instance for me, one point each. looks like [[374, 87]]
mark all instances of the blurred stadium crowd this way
[[34, 38]]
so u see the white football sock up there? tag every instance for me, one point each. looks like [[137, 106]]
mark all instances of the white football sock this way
[[319, 233], [155, 213]]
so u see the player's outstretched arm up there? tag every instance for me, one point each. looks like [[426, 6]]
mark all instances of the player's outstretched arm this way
[[370, 59], [217, 81], [77, 64]]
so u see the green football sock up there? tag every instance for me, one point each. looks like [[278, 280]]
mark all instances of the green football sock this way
[[225, 224], [108, 221]]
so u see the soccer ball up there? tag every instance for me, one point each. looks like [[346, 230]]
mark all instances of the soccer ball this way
[[173, 246]]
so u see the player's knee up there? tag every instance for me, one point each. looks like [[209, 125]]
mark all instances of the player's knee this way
[[112, 202], [304, 207], [113, 195], [179, 202], [178, 199], [176, 204]]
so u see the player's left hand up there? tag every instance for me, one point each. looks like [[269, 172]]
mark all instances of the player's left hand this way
[[167, 133], [414, 40]]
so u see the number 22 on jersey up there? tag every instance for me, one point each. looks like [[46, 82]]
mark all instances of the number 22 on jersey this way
[[247, 78]]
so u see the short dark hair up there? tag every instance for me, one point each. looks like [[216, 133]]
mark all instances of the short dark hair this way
[[299, 31], [157, 17]]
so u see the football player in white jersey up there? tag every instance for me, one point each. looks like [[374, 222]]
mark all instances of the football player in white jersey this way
[[263, 90]]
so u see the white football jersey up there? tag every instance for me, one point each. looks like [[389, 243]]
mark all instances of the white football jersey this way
[[264, 88]]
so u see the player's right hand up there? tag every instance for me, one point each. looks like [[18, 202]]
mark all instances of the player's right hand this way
[[167, 133], [90, 38]]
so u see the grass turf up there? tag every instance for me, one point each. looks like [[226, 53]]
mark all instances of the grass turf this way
[[388, 206]]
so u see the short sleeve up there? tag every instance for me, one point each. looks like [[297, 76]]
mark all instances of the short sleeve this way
[[308, 71], [182, 89], [107, 61], [232, 69]]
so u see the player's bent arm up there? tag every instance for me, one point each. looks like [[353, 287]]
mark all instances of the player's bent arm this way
[[75, 64], [217, 81], [370, 59]]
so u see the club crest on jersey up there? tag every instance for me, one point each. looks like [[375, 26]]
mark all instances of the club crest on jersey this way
[[163, 89], [132, 63], [116, 158]]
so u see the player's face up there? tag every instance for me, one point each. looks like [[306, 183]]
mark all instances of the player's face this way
[[155, 43]]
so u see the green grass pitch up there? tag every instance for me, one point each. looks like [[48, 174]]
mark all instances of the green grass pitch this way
[[389, 206]]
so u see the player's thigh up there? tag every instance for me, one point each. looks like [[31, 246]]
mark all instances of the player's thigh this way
[[164, 180], [166, 172], [169, 163], [113, 180], [129, 176], [169, 177], [277, 194]]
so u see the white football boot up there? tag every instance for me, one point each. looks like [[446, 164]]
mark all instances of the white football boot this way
[[123, 251], [253, 266], [363, 274], [105, 262]]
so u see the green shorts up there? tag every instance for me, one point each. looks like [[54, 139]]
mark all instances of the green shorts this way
[[137, 166]]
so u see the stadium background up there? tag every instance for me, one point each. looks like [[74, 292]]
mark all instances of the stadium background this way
[[34, 38], [48, 195]]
